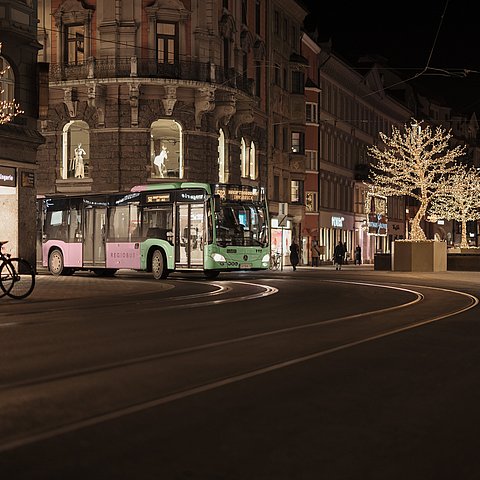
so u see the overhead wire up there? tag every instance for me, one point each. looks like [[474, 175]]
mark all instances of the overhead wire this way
[[427, 66]]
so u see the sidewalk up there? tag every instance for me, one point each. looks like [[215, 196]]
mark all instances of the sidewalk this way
[[452, 278], [86, 285]]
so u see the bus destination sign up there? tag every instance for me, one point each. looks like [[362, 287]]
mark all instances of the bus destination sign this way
[[158, 197], [237, 192], [191, 196]]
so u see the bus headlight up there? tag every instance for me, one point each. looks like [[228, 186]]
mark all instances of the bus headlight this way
[[266, 258], [218, 257]]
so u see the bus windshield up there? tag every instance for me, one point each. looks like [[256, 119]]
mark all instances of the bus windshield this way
[[242, 224]]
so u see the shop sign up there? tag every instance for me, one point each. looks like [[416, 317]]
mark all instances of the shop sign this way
[[376, 208], [8, 177], [28, 179]]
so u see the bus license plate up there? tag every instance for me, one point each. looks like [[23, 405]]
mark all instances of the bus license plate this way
[[245, 265]]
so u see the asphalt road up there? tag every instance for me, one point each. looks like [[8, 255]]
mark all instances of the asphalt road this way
[[313, 374]]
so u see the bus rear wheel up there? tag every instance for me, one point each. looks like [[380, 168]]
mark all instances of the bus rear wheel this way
[[56, 264], [159, 269]]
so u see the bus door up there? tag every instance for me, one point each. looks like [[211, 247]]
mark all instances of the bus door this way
[[95, 234], [190, 235]]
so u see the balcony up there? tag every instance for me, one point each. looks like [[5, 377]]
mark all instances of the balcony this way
[[132, 67]]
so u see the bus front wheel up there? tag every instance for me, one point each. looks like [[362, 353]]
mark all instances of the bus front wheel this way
[[211, 274], [159, 269]]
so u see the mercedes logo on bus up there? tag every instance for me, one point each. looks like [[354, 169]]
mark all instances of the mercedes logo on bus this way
[[245, 257]]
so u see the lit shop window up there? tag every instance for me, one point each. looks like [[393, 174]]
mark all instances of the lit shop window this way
[[166, 149], [76, 150]]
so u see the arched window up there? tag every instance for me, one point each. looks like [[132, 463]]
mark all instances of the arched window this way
[[76, 150], [244, 161], [253, 161], [166, 149], [7, 81], [222, 174], [8, 107]]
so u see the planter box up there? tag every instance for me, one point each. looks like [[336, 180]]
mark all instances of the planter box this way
[[382, 261], [467, 261], [423, 256]]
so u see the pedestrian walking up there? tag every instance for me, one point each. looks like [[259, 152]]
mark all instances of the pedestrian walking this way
[[339, 255], [315, 251], [294, 255], [347, 254], [358, 255]]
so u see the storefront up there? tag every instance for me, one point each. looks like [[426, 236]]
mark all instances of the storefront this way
[[334, 228], [17, 210], [9, 208], [281, 236]]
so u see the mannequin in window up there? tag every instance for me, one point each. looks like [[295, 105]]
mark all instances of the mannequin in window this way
[[78, 161], [159, 162]]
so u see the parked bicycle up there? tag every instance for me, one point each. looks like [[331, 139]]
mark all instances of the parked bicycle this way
[[275, 260], [17, 276]]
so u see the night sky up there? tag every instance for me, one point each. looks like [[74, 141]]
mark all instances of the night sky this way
[[413, 36]]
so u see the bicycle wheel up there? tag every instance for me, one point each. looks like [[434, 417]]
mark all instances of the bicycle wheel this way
[[18, 278], [6, 275], [274, 263]]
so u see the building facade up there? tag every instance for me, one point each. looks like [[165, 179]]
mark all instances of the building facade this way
[[219, 91], [346, 108], [153, 91], [19, 139], [285, 101]]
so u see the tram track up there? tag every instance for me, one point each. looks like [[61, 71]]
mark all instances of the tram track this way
[[190, 364], [158, 303]]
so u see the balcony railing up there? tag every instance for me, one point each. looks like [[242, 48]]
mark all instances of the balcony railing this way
[[132, 67]]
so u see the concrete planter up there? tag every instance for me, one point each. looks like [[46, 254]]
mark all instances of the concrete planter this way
[[421, 256], [464, 259]]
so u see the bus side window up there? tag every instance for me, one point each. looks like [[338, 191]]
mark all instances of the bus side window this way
[[118, 224], [157, 223], [75, 227], [57, 225]]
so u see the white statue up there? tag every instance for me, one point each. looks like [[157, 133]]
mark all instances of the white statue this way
[[78, 161], [159, 161]]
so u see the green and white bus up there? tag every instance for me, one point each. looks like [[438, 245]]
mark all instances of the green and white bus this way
[[159, 228]]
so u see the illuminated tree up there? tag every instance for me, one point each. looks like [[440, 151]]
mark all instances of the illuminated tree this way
[[8, 108], [460, 200], [415, 163]]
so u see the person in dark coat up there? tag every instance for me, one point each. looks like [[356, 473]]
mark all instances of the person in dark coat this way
[[315, 254], [294, 255], [358, 255], [339, 255]]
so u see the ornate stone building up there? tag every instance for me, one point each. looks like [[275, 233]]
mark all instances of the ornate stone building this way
[[153, 91], [19, 139]]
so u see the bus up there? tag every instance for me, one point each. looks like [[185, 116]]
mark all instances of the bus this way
[[157, 228]]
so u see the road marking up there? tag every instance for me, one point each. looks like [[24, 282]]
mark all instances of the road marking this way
[[245, 376], [266, 291]]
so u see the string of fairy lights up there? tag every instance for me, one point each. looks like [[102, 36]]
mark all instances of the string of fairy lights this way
[[8, 108], [417, 162]]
